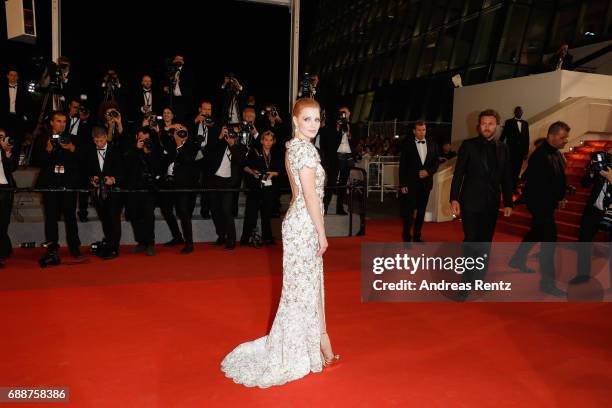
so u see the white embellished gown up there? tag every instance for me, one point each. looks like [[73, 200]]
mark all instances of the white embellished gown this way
[[292, 348]]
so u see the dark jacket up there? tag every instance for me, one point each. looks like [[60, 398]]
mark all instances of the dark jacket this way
[[410, 164], [142, 170], [598, 183], [255, 160], [475, 185], [545, 182], [48, 177], [9, 166], [517, 141], [113, 163], [23, 105], [186, 173], [238, 154]]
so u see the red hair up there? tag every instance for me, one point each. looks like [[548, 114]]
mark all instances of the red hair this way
[[302, 103]]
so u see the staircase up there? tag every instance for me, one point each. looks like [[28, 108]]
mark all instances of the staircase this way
[[567, 219]]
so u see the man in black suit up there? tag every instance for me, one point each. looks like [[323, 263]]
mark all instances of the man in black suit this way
[[340, 149], [15, 105], [179, 89], [544, 191], [516, 136], [233, 99], [142, 170], [561, 59], [418, 163], [182, 172], [79, 129], [105, 171], [205, 133], [598, 202], [8, 164], [58, 160], [262, 167], [226, 168], [482, 171], [145, 101]]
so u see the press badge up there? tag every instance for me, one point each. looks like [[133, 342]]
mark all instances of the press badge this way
[[58, 169]]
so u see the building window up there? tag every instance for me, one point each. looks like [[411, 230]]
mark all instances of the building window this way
[[445, 48], [427, 56], [537, 30], [463, 44], [511, 41], [481, 51]]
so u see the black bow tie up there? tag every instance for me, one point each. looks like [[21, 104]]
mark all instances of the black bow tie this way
[[145, 91], [420, 141], [12, 86], [101, 149]]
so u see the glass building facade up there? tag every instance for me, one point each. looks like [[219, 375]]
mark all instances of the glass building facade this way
[[394, 59]]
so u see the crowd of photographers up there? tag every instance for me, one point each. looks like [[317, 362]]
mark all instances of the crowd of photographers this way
[[129, 152]]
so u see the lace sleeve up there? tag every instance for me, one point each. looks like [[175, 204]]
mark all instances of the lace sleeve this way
[[302, 155]]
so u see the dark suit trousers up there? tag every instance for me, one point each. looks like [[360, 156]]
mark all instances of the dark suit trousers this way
[[166, 205], [414, 200], [589, 225], [185, 203], [259, 200], [109, 213], [64, 204], [338, 175], [516, 162], [6, 206], [141, 210], [222, 208], [544, 230], [478, 226]]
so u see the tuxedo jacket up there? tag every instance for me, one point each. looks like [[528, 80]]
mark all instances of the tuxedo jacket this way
[[9, 166], [517, 140], [238, 154], [186, 173], [331, 140], [136, 102], [410, 165], [113, 163], [22, 101], [47, 177], [475, 185]]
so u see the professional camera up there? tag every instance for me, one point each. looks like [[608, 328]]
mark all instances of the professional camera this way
[[270, 110], [98, 247], [343, 120], [233, 83], [111, 80], [114, 113], [83, 109], [8, 139], [182, 133], [152, 118], [101, 191], [208, 119], [600, 161], [57, 140], [306, 86]]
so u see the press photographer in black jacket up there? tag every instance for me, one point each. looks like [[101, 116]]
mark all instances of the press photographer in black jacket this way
[[262, 166], [142, 172], [8, 164], [105, 171], [181, 173], [58, 160]]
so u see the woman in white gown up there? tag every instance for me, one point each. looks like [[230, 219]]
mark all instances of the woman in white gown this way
[[298, 342]]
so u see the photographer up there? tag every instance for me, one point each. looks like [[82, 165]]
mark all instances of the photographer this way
[[340, 150], [111, 89], [105, 171], [232, 97], [182, 173], [178, 88], [15, 105], [226, 168], [59, 80], [114, 127], [143, 169], [80, 133], [205, 132], [272, 121], [8, 164], [599, 175], [250, 134], [59, 168], [263, 167], [145, 101]]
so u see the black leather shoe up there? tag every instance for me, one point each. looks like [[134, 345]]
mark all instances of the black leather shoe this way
[[75, 252], [220, 241], [109, 254], [187, 249], [552, 290], [175, 241], [578, 279], [229, 245], [520, 266], [150, 250]]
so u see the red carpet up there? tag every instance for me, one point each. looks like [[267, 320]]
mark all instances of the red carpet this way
[[151, 332]]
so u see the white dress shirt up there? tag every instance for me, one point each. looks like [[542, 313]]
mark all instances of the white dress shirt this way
[[345, 146], [422, 149], [225, 169], [177, 87], [74, 126], [13, 98], [102, 156], [3, 179]]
